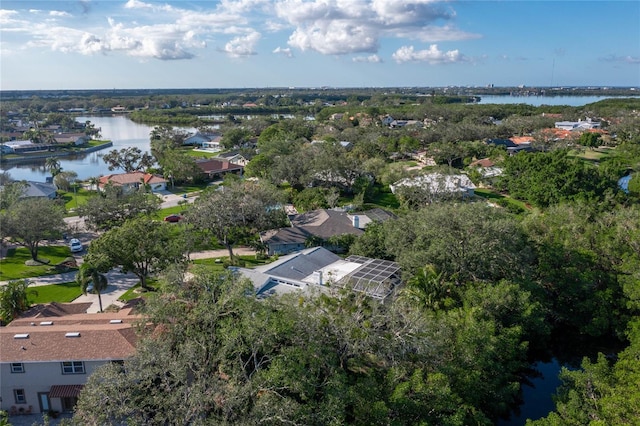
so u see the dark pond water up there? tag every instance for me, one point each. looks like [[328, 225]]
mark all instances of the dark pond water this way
[[537, 394]]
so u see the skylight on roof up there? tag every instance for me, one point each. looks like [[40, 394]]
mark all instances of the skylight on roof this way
[[73, 334], [21, 336], [46, 322], [115, 321]]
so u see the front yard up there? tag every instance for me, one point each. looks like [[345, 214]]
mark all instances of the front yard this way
[[13, 267]]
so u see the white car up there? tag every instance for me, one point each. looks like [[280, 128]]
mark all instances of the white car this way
[[75, 245]]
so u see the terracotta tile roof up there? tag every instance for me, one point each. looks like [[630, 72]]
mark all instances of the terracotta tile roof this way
[[129, 178], [521, 139]]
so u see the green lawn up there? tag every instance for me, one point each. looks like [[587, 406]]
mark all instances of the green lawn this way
[[504, 201], [217, 265], [61, 293], [592, 155], [13, 266], [74, 199]]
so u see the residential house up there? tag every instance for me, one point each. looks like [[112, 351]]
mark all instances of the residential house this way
[[39, 190], [439, 184], [71, 138], [234, 157], [132, 181], [317, 270], [22, 146], [49, 352], [487, 168], [214, 168], [322, 224], [205, 141], [578, 125]]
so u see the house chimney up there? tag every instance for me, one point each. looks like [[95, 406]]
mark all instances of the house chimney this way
[[318, 277], [356, 221]]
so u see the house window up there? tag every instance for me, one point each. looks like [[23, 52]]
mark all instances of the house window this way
[[17, 367], [72, 367], [19, 396]]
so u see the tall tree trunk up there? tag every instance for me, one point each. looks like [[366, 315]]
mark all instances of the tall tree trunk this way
[[99, 299], [230, 248]]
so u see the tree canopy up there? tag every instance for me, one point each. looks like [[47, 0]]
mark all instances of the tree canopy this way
[[30, 221]]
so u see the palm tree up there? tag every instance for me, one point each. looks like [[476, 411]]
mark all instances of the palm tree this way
[[428, 288], [13, 300], [89, 273], [53, 165]]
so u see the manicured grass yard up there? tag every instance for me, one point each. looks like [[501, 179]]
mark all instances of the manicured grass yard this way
[[73, 200], [61, 293], [13, 266], [216, 264], [494, 196]]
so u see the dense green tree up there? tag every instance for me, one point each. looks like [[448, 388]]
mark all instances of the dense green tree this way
[[65, 180], [11, 192], [466, 242], [590, 139], [129, 159], [215, 354], [113, 207], [141, 246], [30, 221], [234, 137], [234, 213], [544, 179]]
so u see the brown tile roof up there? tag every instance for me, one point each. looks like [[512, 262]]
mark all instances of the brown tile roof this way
[[54, 309], [212, 166], [484, 162], [106, 336]]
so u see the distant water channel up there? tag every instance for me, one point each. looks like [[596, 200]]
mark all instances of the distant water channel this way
[[545, 100]]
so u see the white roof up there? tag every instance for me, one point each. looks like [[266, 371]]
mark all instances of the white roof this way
[[438, 182]]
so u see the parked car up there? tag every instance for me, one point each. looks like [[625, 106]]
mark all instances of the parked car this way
[[75, 245], [173, 218]]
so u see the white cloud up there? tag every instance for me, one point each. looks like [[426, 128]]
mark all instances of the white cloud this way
[[242, 46], [432, 55], [283, 51], [337, 27], [335, 38], [371, 58], [633, 60], [58, 13]]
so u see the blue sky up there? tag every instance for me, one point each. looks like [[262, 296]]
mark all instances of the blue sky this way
[[128, 44]]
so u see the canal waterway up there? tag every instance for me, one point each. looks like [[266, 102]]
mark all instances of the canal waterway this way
[[120, 130]]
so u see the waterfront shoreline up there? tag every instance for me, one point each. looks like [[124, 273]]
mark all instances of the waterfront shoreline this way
[[25, 159]]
